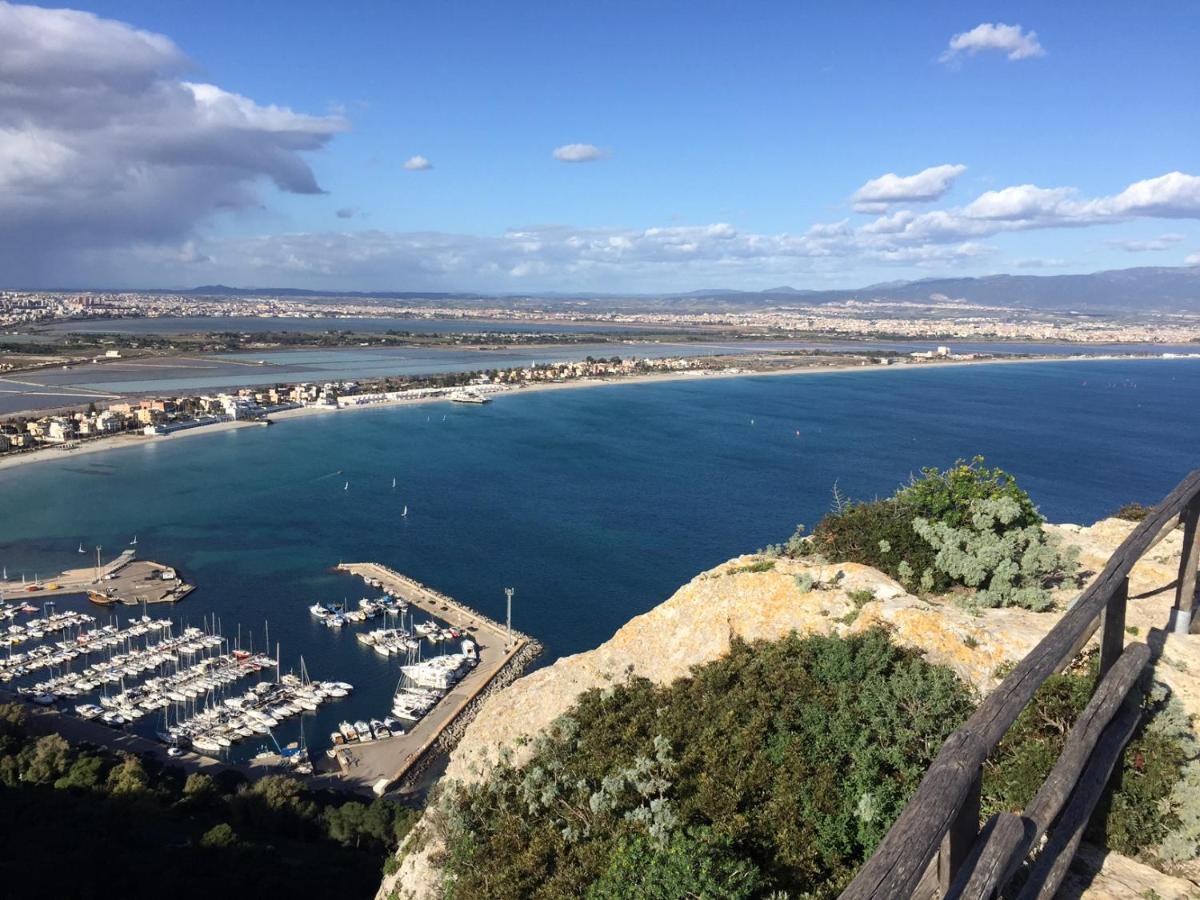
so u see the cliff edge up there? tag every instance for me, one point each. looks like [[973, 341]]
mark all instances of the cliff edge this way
[[754, 598]]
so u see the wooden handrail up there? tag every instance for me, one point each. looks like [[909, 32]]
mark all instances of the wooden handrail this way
[[903, 855]]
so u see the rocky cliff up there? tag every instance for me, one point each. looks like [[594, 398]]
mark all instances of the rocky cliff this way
[[745, 598]]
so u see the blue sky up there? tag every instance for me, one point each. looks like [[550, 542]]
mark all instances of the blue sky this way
[[725, 132]]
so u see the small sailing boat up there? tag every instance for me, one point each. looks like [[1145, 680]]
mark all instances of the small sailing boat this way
[[347, 487], [393, 484], [133, 543], [405, 513], [81, 550]]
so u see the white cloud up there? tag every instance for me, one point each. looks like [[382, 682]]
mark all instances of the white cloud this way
[[1192, 260], [1011, 40], [1026, 207], [886, 190], [103, 144], [1134, 245], [663, 257], [579, 153], [417, 164], [1037, 262]]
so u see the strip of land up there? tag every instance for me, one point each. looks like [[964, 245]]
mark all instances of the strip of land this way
[[812, 367]]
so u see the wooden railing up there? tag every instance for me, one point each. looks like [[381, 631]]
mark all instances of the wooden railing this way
[[936, 848]]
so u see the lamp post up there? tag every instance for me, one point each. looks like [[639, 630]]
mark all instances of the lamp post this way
[[508, 593]]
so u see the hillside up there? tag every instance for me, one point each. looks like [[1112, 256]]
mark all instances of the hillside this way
[[751, 599]]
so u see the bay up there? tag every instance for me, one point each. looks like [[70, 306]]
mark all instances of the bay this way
[[594, 504]]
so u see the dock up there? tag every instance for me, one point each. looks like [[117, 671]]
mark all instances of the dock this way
[[502, 656], [125, 579]]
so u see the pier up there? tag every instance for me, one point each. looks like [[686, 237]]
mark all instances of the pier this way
[[125, 579], [502, 655]]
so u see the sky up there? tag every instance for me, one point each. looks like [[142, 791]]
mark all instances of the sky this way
[[623, 147]]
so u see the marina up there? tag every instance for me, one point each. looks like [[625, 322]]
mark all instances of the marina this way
[[432, 694], [184, 679]]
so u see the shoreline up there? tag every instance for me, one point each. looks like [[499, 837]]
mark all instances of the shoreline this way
[[129, 441]]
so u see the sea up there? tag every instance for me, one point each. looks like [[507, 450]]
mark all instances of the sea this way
[[594, 504]]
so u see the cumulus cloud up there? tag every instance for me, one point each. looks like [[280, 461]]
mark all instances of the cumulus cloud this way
[[1192, 260], [1026, 207], [878, 194], [346, 212], [417, 164], [1012, 40], [104, 143], [579, 153], [1162, 242], [663, 257]]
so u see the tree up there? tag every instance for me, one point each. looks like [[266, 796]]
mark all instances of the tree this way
[[128, 776], [200, 791], [86, 773], [219, 836], [48, 761]]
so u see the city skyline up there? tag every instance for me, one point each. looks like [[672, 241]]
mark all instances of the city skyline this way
[[625, 149]]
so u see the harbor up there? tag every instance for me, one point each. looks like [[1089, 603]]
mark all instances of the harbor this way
[[174, 685], [496, 653]]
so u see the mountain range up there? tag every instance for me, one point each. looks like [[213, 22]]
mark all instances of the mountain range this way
[[1142, 289]]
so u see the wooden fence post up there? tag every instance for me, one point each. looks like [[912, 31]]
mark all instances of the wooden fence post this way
[[1112, 629], [1185, 593], [957, 844]]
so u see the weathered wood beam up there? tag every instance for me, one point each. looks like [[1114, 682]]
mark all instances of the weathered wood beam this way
[[961, 836], [1112, 629], [985, 871], [901, 857], [1055, 858], [1185, 592]]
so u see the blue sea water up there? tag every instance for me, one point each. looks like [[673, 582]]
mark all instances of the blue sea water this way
[[594, 504]]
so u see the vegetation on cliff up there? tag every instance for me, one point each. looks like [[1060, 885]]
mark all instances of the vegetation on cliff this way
[[82, 822], [778, 767], [968, 527], [774, 772], [1151, 810]]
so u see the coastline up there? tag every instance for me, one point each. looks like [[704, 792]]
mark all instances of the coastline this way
[[128, 441]]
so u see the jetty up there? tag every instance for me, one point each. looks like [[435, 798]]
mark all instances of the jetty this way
[[125, 579], [503, 653]]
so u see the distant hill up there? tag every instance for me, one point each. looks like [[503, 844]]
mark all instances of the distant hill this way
[[1141, 289]]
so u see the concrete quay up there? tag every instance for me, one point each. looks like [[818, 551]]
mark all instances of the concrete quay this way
[[125, 580], [381, 765]]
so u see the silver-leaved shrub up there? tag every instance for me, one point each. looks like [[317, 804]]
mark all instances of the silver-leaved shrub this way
[[1008, 564]]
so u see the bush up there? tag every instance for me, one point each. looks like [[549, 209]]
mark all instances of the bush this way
[[219, 836], [969, 526], [1133, 512], [879, 534], [1140, 814], [778, 767]]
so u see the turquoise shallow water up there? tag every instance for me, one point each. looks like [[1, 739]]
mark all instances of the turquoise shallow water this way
[[594, 504]]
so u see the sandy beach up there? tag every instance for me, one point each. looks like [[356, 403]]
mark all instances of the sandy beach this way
[[128, 441]]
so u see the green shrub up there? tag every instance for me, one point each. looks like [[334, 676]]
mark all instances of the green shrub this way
[[878, 533], [949, 497], [762, 565], [1133, 512], [778, 767], [1142, 806], [969, 526], [219, 836]]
